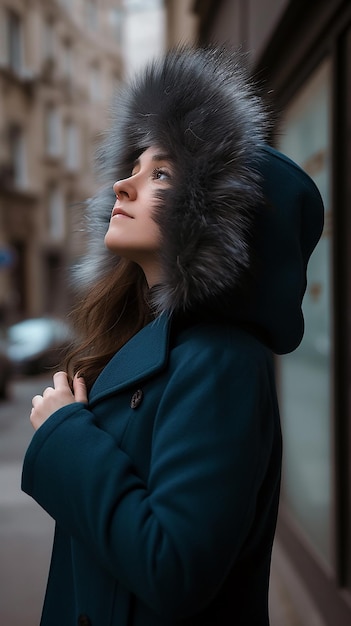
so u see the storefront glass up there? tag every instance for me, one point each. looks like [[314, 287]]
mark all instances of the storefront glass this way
[[306, 375]]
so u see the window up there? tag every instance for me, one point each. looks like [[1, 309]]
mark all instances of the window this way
[[48, 40], [67, 59], [56, 219], [18, 161], [14, 37], [306, 416], [72, 147], [91, 14], [52, 131], [66, 4], [116, 17], [95, 83]]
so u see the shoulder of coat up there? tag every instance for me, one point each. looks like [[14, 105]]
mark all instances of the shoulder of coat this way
[[223, 339]]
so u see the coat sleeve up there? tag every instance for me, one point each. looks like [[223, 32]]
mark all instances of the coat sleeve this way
[[173, 540]]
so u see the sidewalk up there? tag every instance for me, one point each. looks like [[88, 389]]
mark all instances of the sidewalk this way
[[285, 587], [25, 539]]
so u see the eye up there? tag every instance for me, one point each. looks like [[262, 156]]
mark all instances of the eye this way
[[161, 174]]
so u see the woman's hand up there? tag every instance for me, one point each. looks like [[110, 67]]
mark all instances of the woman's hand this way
[[56, 397]]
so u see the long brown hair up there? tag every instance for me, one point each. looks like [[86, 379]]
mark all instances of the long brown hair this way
[[112, 311]]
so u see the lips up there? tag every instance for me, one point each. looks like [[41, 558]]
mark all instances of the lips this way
[[118, 211]]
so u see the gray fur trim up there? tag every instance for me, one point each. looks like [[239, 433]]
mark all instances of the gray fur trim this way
[[201, 106]]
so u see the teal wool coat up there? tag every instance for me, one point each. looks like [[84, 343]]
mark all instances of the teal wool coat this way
[[165, 486]]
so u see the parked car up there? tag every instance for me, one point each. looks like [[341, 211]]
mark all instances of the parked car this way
[[5, 374], [37, 345]]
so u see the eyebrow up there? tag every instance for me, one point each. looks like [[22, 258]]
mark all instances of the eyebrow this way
[[161, 157], [156, 157]]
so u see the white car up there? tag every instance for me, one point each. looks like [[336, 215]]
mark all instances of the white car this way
[[37, 345]]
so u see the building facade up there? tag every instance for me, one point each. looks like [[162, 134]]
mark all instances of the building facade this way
[[182, 22], [60, 63], [301, 54]]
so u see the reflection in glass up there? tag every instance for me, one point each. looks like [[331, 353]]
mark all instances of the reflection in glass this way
[[305, 375]]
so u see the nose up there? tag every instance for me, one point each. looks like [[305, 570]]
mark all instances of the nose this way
[[125, 188]]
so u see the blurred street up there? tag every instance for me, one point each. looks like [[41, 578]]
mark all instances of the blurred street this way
[[26, 531]]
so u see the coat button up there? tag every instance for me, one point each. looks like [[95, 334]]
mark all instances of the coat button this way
[[83, 620], [137, 399]]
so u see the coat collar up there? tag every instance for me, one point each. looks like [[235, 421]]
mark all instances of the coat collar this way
[[144, 354]]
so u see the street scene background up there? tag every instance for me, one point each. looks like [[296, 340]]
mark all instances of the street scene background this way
[[62, 65]]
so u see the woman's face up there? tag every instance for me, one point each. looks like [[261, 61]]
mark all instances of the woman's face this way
[[132, 232]]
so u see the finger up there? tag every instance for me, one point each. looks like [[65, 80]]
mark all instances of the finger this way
[[48, 391], [36, 400], [80, 389], [32, 417], [60, 380]]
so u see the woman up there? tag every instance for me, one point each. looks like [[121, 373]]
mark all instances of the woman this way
[[161, 462]]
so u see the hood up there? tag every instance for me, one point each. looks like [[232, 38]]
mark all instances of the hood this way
[[288, 227], [240, 220]]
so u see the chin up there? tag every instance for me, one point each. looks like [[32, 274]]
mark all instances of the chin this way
[[111, 244]]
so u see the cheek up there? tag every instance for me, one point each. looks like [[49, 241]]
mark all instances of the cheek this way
[[151, 231], [148, 228]]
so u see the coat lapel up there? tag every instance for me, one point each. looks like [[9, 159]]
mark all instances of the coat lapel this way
[[143, 355]]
